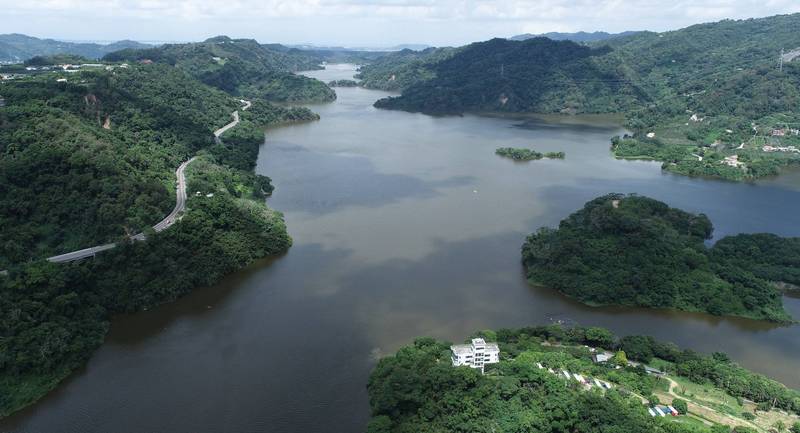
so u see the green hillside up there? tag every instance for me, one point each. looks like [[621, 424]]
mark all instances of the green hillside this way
[[401, 69], [240, 67], [705, 100], [92, 160], [418, 390], [631, 250], [535, 75]]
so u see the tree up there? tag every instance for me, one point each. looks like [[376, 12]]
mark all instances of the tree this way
[[380, 424], [620, 359], [599, 337], [681, 406]]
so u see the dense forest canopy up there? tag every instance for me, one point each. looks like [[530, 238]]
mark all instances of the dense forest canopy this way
[[418, 390], [402, 69], [535, 75], [632, 250], [240, 67], [91, 160], [705, 100], [56, 315], [56, 59]]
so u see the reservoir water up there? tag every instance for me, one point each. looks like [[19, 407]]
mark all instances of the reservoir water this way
[[404, 225]]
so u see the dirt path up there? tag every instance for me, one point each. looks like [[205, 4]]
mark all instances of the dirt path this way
[[705, 411]]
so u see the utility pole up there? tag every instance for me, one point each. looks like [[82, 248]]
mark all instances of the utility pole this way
[[780, 68]]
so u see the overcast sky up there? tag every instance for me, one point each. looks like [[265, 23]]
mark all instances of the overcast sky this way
[[361, 22]]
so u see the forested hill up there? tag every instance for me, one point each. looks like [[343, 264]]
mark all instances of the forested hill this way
[[704, 100], [240, 67], [17, 48], [666, 64], [402, 69], [584, 37], [535, 75], [90, 160], [632, 250]]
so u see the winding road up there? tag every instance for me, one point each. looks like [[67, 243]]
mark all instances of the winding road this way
[[235, 115], [169, 220]]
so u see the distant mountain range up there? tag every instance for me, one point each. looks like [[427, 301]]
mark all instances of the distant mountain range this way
[[16, 47], [575, 37], [400, 47]]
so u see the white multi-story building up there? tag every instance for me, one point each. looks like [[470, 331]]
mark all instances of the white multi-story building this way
[[476, 354]]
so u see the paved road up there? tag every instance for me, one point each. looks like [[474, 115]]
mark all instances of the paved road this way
[[180, 206], [180, 199], [235, 114], [168, 221], [222, 130]]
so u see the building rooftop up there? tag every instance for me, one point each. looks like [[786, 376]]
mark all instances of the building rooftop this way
[[460, 349]]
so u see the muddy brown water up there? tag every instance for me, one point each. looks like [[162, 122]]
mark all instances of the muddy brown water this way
[[403, 225]]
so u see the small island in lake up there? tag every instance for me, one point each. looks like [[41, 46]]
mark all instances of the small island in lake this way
[[632, 250], [578, 379], [343, 83], [523, 154]]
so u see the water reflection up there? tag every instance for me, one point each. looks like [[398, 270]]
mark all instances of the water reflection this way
[[404, 225]]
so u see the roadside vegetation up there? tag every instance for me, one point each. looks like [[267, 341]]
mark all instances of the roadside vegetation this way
[[632, 250], [418, 389], [91, 160]]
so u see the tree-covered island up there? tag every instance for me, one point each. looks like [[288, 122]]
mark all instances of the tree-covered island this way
[[632, 250], [343, 83], [524, 154]]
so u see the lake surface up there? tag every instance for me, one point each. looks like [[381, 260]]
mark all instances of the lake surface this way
[[403, 225]]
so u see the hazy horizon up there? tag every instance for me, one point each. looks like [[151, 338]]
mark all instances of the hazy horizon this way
[[361, 23]]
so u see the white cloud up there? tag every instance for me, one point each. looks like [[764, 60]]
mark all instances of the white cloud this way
[[368, 21]]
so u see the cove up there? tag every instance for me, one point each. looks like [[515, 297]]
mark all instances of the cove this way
[[404, 225]]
